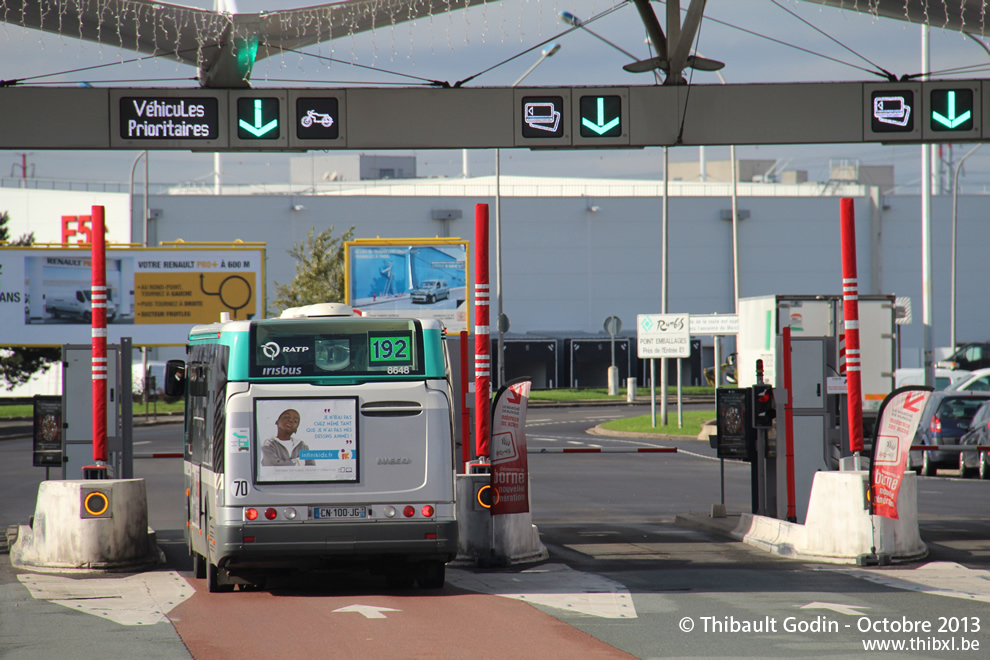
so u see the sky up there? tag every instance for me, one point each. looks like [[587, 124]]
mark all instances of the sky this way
[[464, 43]]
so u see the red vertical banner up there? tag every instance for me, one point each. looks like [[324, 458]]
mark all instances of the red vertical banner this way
[[99, 326], [482, 335], [896, 426], [510, 465], [850, 311]]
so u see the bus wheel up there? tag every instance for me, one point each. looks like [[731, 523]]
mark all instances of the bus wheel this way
[[215, 576], [432, 575], [199, 565]]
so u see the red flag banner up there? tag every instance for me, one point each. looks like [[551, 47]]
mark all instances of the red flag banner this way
[[510, 468], [899, 417]]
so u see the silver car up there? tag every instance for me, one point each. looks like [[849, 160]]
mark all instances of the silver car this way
[[430, 291]]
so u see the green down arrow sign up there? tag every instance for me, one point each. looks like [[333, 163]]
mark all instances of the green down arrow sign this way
[[255, 111], [601, 116], [957, 105]]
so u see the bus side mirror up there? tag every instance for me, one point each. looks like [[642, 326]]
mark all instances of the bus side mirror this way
[[175, 378]]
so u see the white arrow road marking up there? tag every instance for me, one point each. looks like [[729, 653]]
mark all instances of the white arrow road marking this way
[[850, 610], [368, 611], [137, 600], [554, 585], [940, 578]]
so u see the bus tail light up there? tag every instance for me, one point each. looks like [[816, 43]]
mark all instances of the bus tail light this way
[[251, 514], [427, 511], [409, 511], [271, 513]]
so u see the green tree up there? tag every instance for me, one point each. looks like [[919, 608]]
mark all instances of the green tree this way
[[19, 363], [319, 271]]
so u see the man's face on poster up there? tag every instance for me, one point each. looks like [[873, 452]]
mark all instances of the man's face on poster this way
[[287, 423]]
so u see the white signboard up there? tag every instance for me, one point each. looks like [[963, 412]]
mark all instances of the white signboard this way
[[715, 324], [663, 336], [835, 385]]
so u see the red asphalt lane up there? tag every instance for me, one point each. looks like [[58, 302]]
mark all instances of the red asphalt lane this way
[[447, 624]]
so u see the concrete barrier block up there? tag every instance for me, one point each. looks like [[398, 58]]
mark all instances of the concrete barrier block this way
[[517, 540], [65, 538], [838, 528], [487, 540]]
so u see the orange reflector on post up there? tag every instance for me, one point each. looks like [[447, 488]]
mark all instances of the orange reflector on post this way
[[487, 496]]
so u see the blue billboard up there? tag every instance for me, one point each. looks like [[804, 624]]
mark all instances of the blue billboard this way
[[425, 278]]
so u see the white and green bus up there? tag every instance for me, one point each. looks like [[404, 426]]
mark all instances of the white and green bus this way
[[318, 439]]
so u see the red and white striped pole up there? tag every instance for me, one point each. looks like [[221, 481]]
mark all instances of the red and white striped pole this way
[[850, 311], [482, 335], [99, 326]]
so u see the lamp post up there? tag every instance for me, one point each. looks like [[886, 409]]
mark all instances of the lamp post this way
[[144, 241], [952, 294], [500, 324], [574, 21], [144, 219], [735, 233]]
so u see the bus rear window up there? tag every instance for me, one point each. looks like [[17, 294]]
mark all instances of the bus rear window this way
[[336, 347]]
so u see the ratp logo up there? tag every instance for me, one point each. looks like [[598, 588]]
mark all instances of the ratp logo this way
[[271, 350]]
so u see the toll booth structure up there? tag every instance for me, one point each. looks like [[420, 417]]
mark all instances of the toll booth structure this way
[[77, 410]]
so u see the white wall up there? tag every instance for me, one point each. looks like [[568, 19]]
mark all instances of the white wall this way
[[566, 268], [41, 211]]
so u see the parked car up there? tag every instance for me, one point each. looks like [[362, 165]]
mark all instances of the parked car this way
[[978, 434], [975, 381], [77, 304], [430, 291], [945, 379], [945, 419], [970, 357]]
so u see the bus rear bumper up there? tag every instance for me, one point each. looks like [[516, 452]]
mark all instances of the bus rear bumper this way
[[299, 545]]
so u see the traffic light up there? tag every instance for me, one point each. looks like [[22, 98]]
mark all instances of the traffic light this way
[[764, 411]]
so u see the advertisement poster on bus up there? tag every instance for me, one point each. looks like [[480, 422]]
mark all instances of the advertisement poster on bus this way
[[409, 277], [306, 440], [155, 294], [510, 467], [899, 417]]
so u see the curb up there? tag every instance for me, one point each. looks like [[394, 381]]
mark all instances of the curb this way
[[598, 430], [703, 521]]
